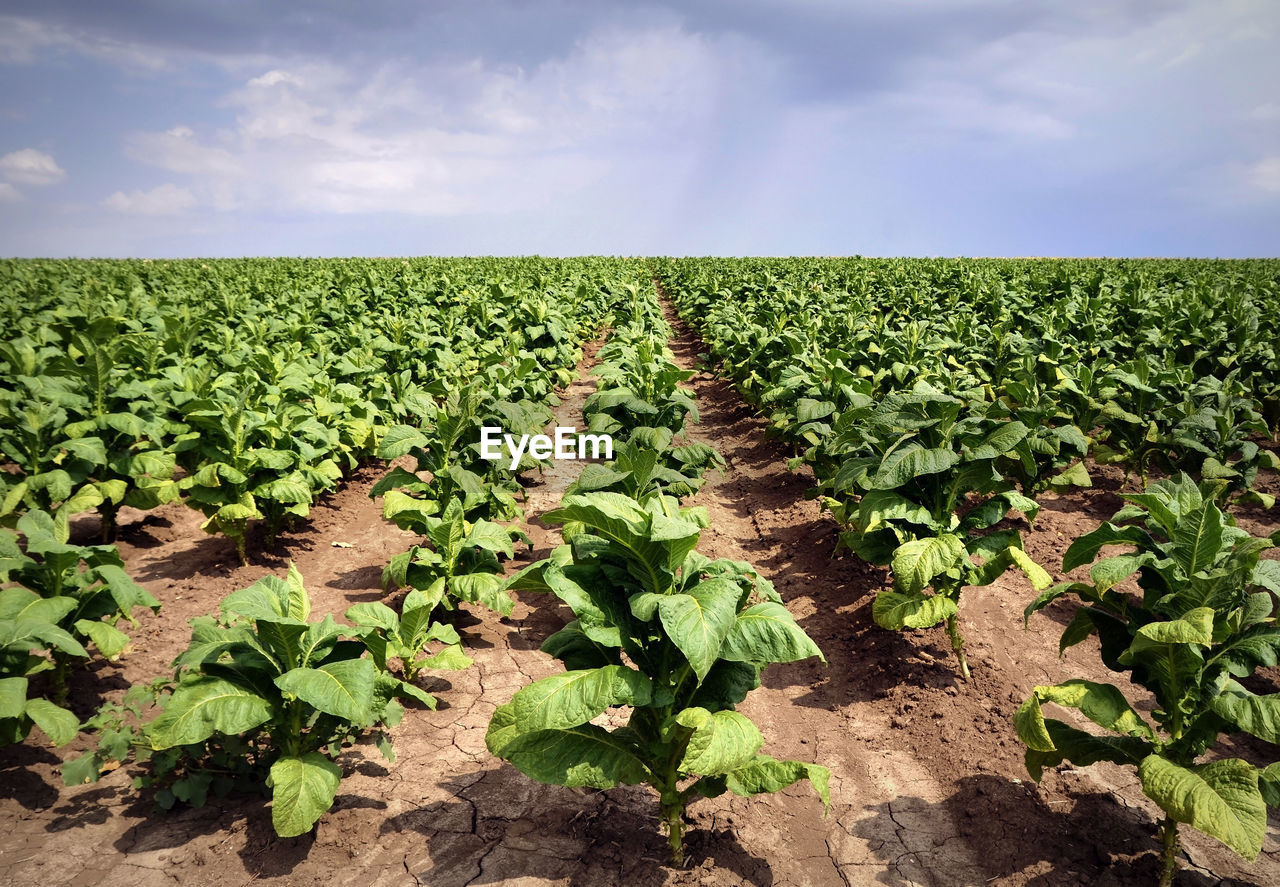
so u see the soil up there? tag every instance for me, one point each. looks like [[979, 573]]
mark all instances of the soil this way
[[928, 785]]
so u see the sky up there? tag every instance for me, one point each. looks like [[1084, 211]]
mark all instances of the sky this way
[[182, 128]]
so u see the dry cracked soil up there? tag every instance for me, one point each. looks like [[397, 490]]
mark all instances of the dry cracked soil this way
[[928, 785]]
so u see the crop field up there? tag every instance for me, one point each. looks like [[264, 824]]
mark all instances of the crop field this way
[[893, 571]]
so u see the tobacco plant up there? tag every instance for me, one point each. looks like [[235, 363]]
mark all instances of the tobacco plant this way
[[675, 638], [86, 591], [460, 564], [929, 493], [1203, 623], [263, 695]]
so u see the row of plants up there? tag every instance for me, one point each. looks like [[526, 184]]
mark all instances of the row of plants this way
[[935, 399], [665, 642], [264, 696], [267, 694], [247, 388]]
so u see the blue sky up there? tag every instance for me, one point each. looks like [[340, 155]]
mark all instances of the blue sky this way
[[565, 127]]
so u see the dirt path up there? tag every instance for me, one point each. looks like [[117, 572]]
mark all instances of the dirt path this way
[[928, 786]]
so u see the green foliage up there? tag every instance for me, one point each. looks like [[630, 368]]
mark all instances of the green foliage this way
[[1204, 622], [408, 634], [678, 639], [460, 563], [83, 591], [920, 489], [263, 695]]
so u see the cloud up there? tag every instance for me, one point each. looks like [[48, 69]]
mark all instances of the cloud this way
[[24, 41], [165, 200], [9, 194], [1265, 175], [457, 136], [31, 167]]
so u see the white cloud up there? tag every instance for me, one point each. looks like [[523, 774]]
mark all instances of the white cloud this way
[[9, 194], [31, 167], [1265, 111], [24, 41], [165, 200], [1265, 174], [459, 137]]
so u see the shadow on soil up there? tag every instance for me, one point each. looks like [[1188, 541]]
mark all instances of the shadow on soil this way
[[499, 825], [997, 828]]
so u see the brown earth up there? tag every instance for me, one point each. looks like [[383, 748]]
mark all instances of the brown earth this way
[[928, 785]]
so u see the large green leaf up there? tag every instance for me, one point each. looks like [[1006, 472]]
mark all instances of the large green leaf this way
[[767, 632], [721, 742], [894, 610], [1193, 627], [905, 465], [1103, 704], [575, 697], [915, 563], [270, 599], [1220, 798], [205, 706], [1086, 548], [1258, 715], [110, 641], [19, 604], [343, 689], [582, 756], [60, 725], [656, 546], [1197, 538], [13, 697], [698, 622], [303, 788], [765, 775]]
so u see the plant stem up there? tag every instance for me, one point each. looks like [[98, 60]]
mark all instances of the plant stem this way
[[957, 644], [672, 815], [1169, 854]]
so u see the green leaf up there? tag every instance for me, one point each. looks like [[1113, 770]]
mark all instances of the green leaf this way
[[915, 563], [1075, 476], [905, 465], [1194, 627], [1066, 743], [721, 742], [1220, 798], [1103, 704], [1086, 548], [1257, 715], [21, 604], [343, 689], [767, 632], [303, 788], [894, 610], [373, 614], [60, 725], [13, 697], [1000, 441], [698, 622], [299, 600], [575, 697], [109, 640], [584, 756], [1269, 784], [1036, 574], [1197, 538], [765, 774], [203, 707]]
